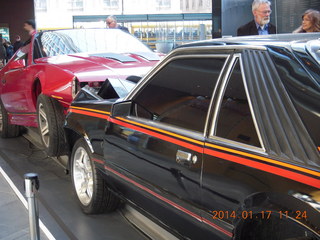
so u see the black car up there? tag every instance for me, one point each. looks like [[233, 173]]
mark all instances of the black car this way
[[221, 140]]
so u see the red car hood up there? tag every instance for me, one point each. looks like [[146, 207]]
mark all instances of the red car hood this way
[[100, 66]]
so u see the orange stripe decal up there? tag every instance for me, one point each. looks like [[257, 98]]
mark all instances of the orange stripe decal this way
[[264, 159], [57, 97], [266, 168]]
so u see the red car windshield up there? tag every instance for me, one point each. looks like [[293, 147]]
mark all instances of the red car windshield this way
[[73, 41]]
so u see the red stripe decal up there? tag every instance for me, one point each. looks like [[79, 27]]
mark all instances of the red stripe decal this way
[[98, 161], [217, 227], [158, 135], [92, 114], [266, 168], [197, 217]]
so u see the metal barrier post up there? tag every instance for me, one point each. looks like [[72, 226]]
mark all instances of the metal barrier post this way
[[31, 182]]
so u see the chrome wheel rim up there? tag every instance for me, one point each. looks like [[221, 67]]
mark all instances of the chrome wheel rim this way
[[83, 176], [1, 119], [43, 125]]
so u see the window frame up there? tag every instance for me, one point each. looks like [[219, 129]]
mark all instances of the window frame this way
[[216, 110], [140, 88]]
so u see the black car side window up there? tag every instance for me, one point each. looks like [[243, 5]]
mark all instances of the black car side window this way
[[235, 121], [180, 93]]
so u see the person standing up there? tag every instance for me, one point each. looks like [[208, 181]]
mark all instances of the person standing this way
[[17, 44], [9, 50], [260, 25], [30, 27], [3, 53], [111, 22], [310, 22]]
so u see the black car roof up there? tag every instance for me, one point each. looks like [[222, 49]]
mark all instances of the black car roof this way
[[284, 40]]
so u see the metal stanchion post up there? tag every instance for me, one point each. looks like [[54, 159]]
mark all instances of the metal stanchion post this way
[[31, 182]]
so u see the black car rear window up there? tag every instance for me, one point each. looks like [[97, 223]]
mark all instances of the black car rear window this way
[[311, 65], [302, 87]]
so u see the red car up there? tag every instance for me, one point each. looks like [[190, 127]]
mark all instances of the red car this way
[[41, 79]]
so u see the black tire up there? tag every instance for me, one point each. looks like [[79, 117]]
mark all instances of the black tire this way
[[50, 120], [7, 130], [97, 198]]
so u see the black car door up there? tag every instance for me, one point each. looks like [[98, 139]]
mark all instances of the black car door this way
[[154, 153]]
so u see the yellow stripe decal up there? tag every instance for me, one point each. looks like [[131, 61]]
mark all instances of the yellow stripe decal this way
[[91, 110], [56, 97]]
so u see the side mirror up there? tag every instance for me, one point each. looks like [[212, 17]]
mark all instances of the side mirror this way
[[21, 63], [121, 109]]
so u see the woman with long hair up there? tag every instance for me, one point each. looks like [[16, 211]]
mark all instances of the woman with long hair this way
[[310, 22]]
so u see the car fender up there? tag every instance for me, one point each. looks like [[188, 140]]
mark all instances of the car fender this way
[[276, 204], [56, 83]]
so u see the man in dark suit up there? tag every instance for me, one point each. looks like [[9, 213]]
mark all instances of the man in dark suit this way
[[261, 10]]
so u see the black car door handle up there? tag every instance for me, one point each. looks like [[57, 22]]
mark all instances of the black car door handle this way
[[185, 158], [3, 81]]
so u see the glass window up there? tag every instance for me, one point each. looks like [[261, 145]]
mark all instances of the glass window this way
[[180, 93], [163, 4], [62, 42], [235, 120], [111, 4], [22, 54], [75, 5], [40, 5]]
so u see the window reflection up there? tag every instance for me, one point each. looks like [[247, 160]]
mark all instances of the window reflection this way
[[180, 93], [90, 41], [235, 121]]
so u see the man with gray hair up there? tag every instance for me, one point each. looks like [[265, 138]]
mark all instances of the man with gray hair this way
[[111, 22], [261, 10]]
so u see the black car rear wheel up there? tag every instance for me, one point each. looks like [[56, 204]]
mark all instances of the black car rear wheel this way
[[7, 130], [91, 189], [50, 120]]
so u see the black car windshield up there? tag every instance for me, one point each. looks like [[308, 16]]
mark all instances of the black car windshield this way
[[73, 41]]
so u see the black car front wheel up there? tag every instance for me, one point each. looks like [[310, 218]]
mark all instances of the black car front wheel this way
[[50, 123], [7, 130], [90, 188]]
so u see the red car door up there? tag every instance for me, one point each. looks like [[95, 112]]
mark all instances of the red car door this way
[[16, 81]]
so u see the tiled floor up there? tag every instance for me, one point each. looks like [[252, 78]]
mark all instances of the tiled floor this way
[[58, 207], [13, 215]]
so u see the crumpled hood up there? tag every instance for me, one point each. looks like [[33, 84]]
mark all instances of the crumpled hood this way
[[100, 66]]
